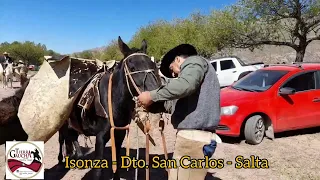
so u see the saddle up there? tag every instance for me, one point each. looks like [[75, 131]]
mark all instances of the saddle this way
[[91, 97]]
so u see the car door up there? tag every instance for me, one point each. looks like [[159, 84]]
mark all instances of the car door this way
[[227, 72], [216, 66], [316, 103], [298, 110]]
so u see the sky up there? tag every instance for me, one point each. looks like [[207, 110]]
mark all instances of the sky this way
[[68, 26]]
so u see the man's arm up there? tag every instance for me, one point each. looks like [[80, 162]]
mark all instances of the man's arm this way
[[190, 78]]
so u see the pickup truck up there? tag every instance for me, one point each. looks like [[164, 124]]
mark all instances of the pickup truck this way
[[231, 69]]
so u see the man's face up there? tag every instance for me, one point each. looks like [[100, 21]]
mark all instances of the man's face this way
[[175, 66]]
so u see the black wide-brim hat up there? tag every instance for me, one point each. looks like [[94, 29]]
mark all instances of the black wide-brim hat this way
[[182, 49]]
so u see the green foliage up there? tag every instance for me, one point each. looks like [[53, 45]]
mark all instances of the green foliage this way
[[246, 24], [162, 35], [85, 54], [27, 51], [112, 52]]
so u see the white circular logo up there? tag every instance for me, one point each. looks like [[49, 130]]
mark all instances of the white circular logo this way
[[24, 160]]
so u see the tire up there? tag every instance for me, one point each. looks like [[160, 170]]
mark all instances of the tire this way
[[254, 124], [243, 74]]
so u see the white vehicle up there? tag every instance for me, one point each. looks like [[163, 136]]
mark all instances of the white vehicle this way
[[231, 69]]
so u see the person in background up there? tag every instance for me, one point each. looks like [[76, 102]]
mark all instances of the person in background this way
[[23, 71], [7, 58], [192, 95]]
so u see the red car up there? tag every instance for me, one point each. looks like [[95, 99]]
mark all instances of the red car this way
[[270, 100]]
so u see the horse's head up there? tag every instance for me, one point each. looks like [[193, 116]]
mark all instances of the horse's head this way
[[140, 73]]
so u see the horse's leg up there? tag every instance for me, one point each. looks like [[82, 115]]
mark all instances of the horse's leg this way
[[73, 134], [101, 139], [62, 132], [5, 82], [11, 80], [119, 136]]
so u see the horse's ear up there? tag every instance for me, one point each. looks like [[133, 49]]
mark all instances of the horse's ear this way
[[125, 50], [144, 46]]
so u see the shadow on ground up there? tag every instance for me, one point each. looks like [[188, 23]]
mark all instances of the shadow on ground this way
[[58, 172], [237, 140], [313, 130]]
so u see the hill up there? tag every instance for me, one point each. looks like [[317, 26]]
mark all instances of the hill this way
[[267, 54], [274, 54]]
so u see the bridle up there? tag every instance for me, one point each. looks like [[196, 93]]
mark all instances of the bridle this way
[[129, 74], [145, 128]]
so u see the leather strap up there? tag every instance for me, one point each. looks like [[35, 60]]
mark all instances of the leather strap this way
[[113, 145], [161, 127], [145, 128]]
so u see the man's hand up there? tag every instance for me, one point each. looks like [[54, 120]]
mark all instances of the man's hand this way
[[144, 99]]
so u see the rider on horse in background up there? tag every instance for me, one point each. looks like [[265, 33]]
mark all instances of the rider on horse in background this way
[[6, 60]]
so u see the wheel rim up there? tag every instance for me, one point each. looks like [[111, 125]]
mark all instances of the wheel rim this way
[[259, 130]]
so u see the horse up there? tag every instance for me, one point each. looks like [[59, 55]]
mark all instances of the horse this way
[[69, 136], [9, 121], [2, 75], [145, 75], [8, 75]]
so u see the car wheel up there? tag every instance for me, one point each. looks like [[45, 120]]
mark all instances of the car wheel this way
[[254, 130]]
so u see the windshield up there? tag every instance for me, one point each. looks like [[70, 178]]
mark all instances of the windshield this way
[[259, 80]]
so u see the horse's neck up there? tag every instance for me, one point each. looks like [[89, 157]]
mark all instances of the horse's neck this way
[[124, 104], [9, 69]]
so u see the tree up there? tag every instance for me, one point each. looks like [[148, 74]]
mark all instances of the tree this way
[[112, 52], [162, 35], [28, 51], [85, 54], [51, 52], [253, 23]]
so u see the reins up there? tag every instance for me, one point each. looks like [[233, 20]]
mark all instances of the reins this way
[[145, 128]]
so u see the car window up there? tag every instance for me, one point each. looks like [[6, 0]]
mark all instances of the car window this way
[[302, 82], [214, 64], [226, 64], [259, 80]]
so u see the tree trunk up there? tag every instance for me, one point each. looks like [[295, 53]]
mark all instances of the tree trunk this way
[[300, 54]]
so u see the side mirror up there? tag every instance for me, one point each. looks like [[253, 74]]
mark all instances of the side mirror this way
[[287, 91]]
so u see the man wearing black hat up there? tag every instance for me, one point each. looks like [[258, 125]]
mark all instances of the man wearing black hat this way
[[192, 95]]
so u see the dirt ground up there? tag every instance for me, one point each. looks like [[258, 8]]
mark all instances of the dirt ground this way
[[292, 155]]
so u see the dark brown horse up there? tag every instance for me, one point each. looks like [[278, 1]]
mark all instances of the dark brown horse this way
[[10, 126], [145, 76]]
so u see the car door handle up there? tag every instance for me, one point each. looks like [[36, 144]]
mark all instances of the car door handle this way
[[234, 71], [316, 100]]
